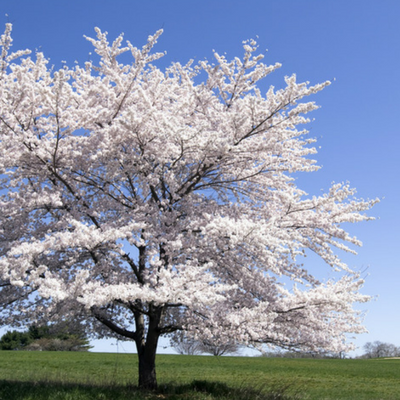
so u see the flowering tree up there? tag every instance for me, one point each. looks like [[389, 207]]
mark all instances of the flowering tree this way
[[146, 202]]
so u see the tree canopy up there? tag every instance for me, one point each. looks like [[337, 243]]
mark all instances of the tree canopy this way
[[145, 202]]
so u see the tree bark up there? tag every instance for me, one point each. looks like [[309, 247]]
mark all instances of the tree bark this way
[[147, 369], [146, 349]]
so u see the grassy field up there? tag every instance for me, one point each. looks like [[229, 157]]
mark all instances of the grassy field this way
[[100, 376]]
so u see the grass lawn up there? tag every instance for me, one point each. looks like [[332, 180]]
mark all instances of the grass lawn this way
[[87, 376]]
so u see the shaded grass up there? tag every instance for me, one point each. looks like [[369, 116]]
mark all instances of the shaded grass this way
[[197, 390], [84, 376], [12, 390]]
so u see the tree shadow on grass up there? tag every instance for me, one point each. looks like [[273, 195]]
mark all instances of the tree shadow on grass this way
[[196, 390], [221, 391], [42, 390]]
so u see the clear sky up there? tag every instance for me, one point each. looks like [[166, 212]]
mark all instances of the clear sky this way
[[356, 43]]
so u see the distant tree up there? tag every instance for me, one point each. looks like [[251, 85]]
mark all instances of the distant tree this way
[[184, 345], [369, 350], [15, 340], [218, 349], [39, 332]]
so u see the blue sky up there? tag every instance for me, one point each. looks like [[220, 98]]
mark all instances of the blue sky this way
[[355, 43]]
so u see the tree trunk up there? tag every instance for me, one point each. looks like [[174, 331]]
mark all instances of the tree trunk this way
[[147, 369], [146, 349]]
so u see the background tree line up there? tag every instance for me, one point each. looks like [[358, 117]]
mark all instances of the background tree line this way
[[55, 337], [190, 346], [379, 349], [375, 349]]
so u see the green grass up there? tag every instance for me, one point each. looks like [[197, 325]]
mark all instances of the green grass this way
[[101, 376]]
